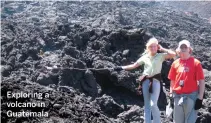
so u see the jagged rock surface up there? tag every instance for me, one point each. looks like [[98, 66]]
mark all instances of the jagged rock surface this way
[[53, 44]]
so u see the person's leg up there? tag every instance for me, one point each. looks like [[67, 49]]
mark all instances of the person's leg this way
[[154, 99], [179, 115], [146, 95], [190, 112]]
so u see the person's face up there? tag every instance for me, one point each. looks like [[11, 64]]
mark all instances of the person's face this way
[[153, 48], [184, 50]]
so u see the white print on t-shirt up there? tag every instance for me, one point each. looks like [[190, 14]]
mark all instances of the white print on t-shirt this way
[[184, 69]]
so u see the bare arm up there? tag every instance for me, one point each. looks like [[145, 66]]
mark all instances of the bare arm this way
[[170, 53], [201, 89], [171, 85], [131, 66]]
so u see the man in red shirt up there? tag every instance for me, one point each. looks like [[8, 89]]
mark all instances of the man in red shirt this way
[[187, 84]]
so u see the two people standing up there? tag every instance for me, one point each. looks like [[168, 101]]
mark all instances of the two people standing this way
[[184, 88], [152, 61]]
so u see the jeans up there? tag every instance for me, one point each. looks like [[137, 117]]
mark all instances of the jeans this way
[[184, 111], [150, 101]]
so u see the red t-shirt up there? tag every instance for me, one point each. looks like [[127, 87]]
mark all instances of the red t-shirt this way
[[189, 71]]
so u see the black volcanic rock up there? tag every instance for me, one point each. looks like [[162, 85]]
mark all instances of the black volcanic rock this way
[[69, 49], [132, 115], [61, 106], [109, 106]]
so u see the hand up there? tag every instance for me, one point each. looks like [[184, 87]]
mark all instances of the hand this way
[[170, 95], [160, 47], [198, 104], [118, 68]]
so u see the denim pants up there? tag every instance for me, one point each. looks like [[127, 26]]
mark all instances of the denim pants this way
[[184, 111], [150, 101]]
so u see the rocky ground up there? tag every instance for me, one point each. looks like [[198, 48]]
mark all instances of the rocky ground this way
[[202, 8], [68, 49]]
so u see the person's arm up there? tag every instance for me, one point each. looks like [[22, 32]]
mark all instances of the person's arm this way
[[201, 89], [171, 84], [199, 100], [172, 76], [131, 66], [170, 54], [139, 62], [200, 78]]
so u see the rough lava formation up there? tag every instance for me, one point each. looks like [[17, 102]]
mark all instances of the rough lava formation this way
[[48, 47]]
